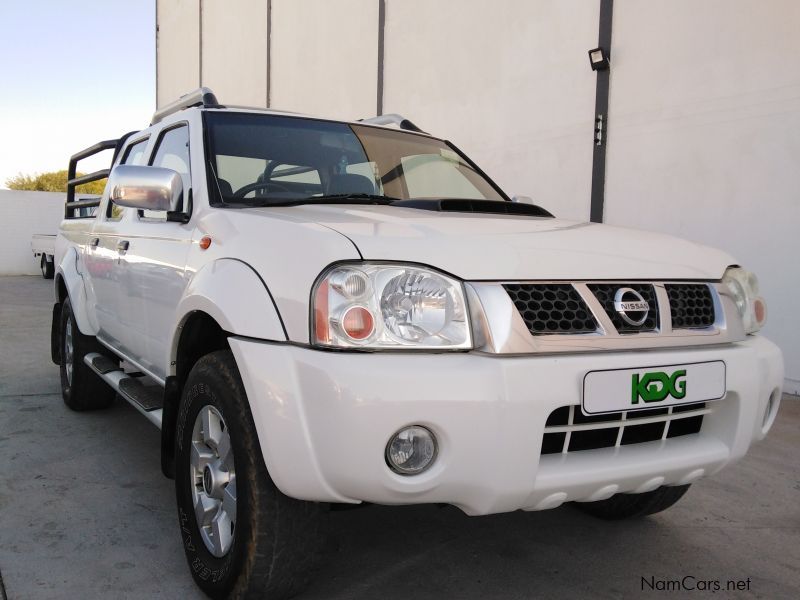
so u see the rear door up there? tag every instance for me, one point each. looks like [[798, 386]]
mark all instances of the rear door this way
[[103, 261]]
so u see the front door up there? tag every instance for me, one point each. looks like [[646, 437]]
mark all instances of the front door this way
[[155, 262]]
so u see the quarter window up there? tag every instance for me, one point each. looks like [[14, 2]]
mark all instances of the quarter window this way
[[134, 155]]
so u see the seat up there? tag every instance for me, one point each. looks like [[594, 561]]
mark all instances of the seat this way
[[225, 187], [350, 183]]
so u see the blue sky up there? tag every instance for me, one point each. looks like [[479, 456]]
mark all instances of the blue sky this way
[[71, 73]]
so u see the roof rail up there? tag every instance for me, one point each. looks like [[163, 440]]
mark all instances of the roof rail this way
[[200, 97], [393, 119]]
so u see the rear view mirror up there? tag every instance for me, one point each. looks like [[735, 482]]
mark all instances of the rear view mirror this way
[[146, 188], [522, 199]]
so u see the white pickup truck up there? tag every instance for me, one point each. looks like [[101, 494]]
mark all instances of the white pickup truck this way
[[319, 313]]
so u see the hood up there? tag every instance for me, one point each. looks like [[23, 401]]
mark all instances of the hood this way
[[476, 246]]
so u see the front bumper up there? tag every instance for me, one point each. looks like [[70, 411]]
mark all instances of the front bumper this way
[[324, 418]]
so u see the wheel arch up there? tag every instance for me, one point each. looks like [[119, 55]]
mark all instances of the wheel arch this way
[[225, 298], [69, 284], [198, 335], [235, 297]]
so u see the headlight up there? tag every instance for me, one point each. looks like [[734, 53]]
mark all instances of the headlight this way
[[743, 286], [389, 306]]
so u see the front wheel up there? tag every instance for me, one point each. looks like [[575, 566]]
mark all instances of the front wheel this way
[[631, 506], [241, 535]]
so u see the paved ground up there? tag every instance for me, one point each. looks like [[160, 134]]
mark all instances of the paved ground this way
[[85, 513]]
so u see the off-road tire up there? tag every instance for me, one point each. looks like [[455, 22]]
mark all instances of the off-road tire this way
[[47, 267], [631, 506], [84, 390], [276, 539]]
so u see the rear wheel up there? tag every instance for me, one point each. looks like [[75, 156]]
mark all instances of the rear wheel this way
[[81, 388], [630, 506], [47, 267], [242, 536]]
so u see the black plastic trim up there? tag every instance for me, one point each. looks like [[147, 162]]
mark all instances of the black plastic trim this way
[[491, 207], [476, 168], [55, 334], [169, 418]]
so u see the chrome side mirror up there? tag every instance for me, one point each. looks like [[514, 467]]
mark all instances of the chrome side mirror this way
[[522, 199], [146, 188]]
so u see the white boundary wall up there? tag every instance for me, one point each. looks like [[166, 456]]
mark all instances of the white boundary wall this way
[[21, 215], [704, 116]]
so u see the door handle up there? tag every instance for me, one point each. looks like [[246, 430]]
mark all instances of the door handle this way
[[122, 246], [94, 243]]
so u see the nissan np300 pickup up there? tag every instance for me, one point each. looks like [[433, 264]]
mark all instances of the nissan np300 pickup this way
[[319, 312]]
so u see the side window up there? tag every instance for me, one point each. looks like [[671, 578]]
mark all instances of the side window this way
[[172, 152], [134, 155], [438, 175]]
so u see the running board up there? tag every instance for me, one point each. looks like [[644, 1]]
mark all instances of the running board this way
[[148, 400]]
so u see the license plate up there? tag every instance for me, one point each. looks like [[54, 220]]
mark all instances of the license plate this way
[[652, 387]]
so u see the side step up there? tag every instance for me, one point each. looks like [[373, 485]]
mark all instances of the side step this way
[[148, 400]]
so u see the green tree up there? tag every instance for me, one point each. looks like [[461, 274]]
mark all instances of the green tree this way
[[54, 181]]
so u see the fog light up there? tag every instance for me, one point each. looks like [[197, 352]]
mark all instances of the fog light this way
[[411, 450]]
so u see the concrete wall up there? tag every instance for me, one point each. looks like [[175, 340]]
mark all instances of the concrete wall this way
[[508, 82], [177, 48], [704, 137], [325, 57], [23, 214], [234, 50]]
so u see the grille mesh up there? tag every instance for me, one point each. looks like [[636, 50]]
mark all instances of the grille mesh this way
[[605, 430], [551, 308], [604, 292], [690, 305]]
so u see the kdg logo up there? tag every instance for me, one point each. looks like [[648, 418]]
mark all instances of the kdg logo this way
[[656, 386]]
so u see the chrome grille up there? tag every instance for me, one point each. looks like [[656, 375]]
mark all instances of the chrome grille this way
[[574, 308], [691, 305], [569, 430], [551, 308], [512, 320]]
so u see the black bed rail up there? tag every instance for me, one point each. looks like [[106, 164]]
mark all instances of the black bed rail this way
[[72, 205], [72, 181]]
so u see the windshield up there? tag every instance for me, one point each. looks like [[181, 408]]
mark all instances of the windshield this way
[[268, 159]]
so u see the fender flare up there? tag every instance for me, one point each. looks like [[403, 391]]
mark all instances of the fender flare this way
[[232, 293], [67, 271]]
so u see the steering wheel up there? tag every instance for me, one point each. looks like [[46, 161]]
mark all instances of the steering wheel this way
[[258, 185]]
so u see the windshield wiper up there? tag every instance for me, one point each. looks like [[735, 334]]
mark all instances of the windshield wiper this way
[[345, 199], [326, 199]]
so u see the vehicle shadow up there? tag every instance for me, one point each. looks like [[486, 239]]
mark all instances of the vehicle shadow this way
[[438, 552]]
